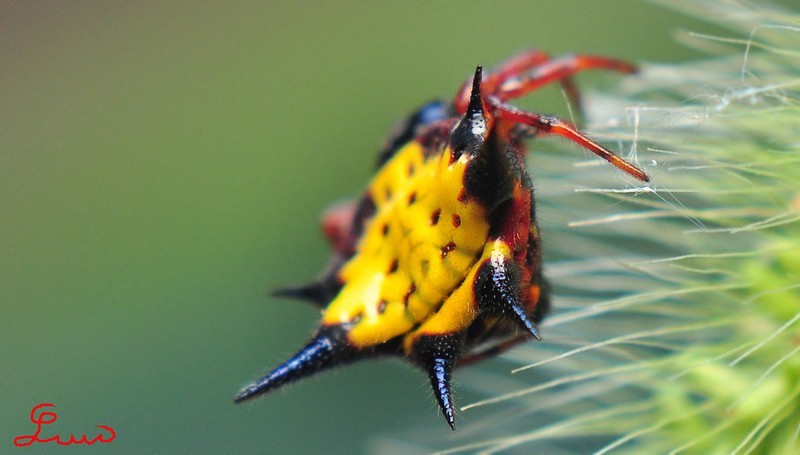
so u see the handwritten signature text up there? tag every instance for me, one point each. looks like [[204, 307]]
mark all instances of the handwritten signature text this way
[[48, 418]]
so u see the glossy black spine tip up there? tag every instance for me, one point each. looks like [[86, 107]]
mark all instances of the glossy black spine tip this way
[[521, 318], [471, 131], [475, 98], [320, 353], [497, 288], [440, 381], [438, 355]]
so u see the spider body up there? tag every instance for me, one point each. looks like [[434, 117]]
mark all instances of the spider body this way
[[439, 261]]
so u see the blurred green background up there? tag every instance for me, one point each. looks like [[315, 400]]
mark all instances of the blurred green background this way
[[164, 164]]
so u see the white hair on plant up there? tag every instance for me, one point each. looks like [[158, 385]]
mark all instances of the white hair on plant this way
[[676, 310]]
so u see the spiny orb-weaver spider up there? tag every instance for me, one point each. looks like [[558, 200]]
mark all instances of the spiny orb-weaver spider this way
[[440, 260]]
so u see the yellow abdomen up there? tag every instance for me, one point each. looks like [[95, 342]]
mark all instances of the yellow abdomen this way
[[420, 245]]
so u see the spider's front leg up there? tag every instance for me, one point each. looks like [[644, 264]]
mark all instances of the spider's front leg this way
[[560, 69], [514, 68], [553, 125]]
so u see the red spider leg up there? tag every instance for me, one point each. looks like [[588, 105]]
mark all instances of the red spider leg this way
[[557, 70], [491, 351], [337, 225], [515, 65], [554, 125], [511, 68]]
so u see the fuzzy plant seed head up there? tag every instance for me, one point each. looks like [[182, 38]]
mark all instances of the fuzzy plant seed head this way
[[676, 306]]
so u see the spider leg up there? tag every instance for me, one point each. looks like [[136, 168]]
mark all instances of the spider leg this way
[[491, 350], [515, 65], [553, 125], [513, 68], [557, 70], [337, 225]]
